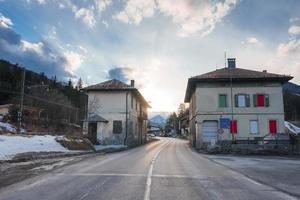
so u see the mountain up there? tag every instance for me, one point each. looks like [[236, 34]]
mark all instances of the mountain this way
[[164, 115], [291, 88], [157, 121]]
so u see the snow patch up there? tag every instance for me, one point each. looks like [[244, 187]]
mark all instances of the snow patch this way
[[12, 145], [10, 128], [294, 129]]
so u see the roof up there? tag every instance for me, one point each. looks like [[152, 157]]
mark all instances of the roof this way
[[116, 85], [95, 118], [113, 84], [234, 75]]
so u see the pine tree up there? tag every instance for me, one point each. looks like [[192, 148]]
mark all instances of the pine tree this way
[[79, 84], [70, 84]]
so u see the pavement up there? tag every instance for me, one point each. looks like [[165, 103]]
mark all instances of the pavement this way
[[282, 173], [166, 169]]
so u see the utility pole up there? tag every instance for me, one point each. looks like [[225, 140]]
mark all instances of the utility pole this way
[[20, 114]]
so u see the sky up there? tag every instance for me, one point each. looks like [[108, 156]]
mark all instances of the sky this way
[[158, 43]]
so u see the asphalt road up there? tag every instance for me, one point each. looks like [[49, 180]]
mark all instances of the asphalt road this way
[[167, 169]]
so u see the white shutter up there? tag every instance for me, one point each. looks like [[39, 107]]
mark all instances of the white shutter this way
[[254, 127], [242, 100]]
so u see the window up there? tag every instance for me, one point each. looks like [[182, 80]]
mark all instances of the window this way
[[117, 126], [261, 100], [222, 100], [253, 126], [242, 100], [136, 104], [273, 126], [233, 126], [131, 102]]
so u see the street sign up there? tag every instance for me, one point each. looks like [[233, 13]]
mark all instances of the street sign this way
[[220, 131], [224, 123]]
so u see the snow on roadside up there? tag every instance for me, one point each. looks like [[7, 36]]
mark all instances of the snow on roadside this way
[[294, 129], [10, 128], [12, 145]]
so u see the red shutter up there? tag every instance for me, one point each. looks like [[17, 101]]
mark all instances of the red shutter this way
[[260, 100], [273, 126], [233, 126]]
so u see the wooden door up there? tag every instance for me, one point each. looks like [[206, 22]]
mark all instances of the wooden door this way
[[93, 132]]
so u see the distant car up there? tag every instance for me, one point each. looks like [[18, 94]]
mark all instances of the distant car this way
[[151, 135]]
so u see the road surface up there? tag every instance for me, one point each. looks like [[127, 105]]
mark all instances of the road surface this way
[[166, 169]]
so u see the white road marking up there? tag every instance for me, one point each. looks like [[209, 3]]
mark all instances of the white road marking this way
[[95, 174], [88, 192], [150, 173]]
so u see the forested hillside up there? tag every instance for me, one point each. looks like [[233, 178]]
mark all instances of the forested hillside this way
[[291, 97], [57, 102]]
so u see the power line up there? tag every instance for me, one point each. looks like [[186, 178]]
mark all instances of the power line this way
[[38, 98]]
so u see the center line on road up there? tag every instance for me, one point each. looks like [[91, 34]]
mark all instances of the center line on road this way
[[150, 173]]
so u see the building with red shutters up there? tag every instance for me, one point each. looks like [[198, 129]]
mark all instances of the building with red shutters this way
[[232, 104]]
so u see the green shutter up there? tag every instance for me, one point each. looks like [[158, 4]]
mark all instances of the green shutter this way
[[222, 100], [267, 100], [254, 100], [247, 100], [236, 103]]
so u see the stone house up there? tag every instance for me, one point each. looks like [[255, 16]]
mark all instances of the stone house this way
[[117, 114], [232, 104]]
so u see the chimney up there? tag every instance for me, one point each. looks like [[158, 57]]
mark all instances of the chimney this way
[[265, 71], [132, 83], [231, 62]]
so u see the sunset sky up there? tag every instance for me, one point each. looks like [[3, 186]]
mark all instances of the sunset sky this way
[[159, 43]]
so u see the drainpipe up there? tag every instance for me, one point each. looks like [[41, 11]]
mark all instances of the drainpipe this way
[[231, 97], [126, 118]]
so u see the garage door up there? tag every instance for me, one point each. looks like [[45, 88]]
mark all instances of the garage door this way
[[209, 130]]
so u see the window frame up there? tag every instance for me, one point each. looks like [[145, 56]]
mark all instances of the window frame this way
[[266, 99], [247, 100], [117, 130]]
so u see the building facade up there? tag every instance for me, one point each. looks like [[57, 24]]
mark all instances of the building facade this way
[[233, 104], [117, 114]]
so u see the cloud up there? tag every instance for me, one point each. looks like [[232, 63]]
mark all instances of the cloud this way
[[123, 74], [294, 30], [294, 19], [193, 16], [86, 15], [287, 58], [39, 56], [102, 4], [252, 40], [196, 16], [73, 59], [289, 49], [136, 10], [38, 1], [5, 22]]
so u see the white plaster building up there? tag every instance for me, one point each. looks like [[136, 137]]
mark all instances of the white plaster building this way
[[117, 114], [232, 104]]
